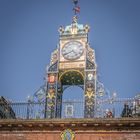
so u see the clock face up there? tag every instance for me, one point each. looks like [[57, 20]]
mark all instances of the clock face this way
[[72, 50]]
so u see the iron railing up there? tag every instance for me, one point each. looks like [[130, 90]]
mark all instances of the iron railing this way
[[71, 109]]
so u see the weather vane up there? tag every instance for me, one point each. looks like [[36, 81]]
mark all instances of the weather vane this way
[[76, 7]]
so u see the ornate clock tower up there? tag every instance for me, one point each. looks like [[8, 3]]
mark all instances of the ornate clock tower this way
[[72, 63]]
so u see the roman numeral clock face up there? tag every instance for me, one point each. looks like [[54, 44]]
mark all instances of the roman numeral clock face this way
[[72, 50]]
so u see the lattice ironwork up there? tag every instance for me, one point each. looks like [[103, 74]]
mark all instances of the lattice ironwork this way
[[117, 108]]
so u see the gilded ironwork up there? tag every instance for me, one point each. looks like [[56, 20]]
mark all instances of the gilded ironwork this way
[[54, 57]]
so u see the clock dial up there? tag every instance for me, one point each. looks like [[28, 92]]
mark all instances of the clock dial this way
[[72, 50]]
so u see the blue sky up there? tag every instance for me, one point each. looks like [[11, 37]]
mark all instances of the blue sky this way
[[29, 33]]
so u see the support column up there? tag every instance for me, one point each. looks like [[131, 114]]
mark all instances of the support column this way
[[59, 101], [51, 95], [89, 94], [90, 89]]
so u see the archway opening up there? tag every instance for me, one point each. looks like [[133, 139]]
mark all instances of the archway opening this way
[[73, 102]]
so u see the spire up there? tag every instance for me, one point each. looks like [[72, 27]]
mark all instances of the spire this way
[[74, 28], [76, 10]]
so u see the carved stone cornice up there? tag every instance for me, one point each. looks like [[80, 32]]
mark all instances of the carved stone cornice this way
[[123, 124]]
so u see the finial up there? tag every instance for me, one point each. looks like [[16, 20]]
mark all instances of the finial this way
[[86, 28], [74, 19], [61, 29]]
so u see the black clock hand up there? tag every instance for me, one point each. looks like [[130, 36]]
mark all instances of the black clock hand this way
[[74, 51], [68, 52]]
